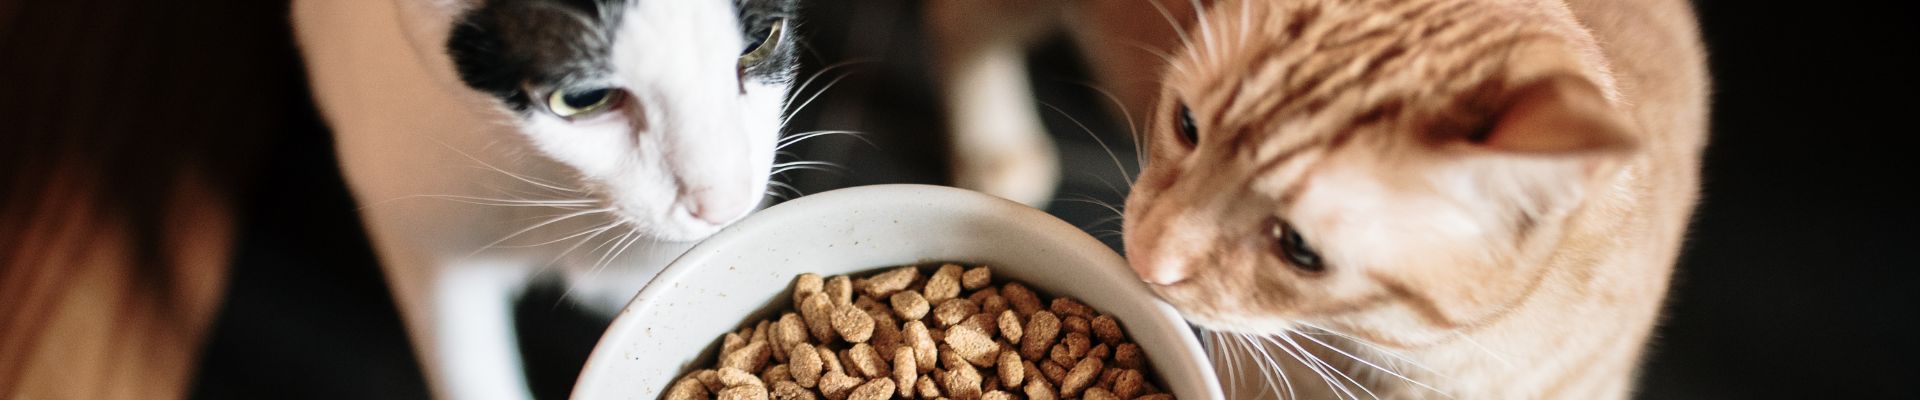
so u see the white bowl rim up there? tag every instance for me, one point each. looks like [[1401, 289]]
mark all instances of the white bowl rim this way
[[629, 320]]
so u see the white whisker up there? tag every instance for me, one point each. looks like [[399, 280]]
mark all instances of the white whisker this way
[[1375, 366], [1331, 384], [535, 182], [537, 226], [1096, 139], [1329, 367]]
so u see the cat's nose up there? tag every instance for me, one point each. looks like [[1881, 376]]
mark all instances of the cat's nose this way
[[1160, 272], [712, 206]]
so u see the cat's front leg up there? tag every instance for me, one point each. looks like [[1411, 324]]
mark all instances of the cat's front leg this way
[[998, 144], [459, 315]]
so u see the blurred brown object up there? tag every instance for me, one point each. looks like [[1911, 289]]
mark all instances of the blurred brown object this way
[[127, 129]]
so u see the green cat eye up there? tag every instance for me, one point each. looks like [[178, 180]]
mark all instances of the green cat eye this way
[[761, 45], [573, 103]]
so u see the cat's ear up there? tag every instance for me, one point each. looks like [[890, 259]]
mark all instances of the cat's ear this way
[[1557, 115]]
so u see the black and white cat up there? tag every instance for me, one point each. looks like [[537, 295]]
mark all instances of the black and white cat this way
[[492, 140]]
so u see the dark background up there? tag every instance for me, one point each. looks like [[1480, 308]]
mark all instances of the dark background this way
[[1797, 282]]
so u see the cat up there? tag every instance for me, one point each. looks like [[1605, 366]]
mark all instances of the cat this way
[[1421, 198], [493, 141]]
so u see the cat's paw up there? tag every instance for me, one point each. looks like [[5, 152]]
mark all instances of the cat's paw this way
[[1026, 172]]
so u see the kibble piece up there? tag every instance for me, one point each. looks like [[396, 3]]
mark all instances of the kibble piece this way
[[786, 332], [1074, 323], [785, 390], [962, 383], [687, 389], [998, 395], [1080, 377], [1040, 331], [731, 377], [1131, 383], [950, 359], [926, 387], [817, 310], [836, 386], [904, 371], [830, 361], [806, 285], [1053, 371], [1033, 371], [1107, 377], [1061, 355], [886, 283], [876, 389], [867, 361], [953, 311], [925, 352], [839, 289], [1023, 300], [730, 342], [886, 335], [777, 373], [909, 305], [1108, 330], [1039, 390], [760, 331], [1067, 306], [944, 284], [1099, 351], [984, 322], [1011, 371], [993, 305], [1127, 355], [805, 365], [852, 323], [973, 345], [976, 278], [1077, 344], [743, 392], [1096, 393], [709, 378], [1009, 324], [1155, 396], [750, 358]]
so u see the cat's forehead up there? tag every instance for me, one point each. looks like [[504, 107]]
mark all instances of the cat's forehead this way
[[1320, 71]]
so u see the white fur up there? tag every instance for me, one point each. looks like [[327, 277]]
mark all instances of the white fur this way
[[410, 137]]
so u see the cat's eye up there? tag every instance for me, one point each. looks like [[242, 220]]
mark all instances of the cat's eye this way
[[1188, 130], [1293, 247], [762, 43], [575, 103]]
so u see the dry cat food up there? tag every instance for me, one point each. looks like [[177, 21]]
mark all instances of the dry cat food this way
[[906, 334]]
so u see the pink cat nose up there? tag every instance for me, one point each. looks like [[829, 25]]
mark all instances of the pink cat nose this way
[[714, 207]]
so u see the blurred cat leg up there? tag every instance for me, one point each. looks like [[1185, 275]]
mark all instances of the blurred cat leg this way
[[997, 143]]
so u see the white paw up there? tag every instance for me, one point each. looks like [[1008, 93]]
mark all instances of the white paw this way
[[1026, 171]]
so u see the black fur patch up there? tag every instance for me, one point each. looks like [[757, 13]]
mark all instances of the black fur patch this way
[[503, 45]]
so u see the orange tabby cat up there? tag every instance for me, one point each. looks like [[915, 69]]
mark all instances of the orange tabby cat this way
[[1422, 198], [1490, 194]]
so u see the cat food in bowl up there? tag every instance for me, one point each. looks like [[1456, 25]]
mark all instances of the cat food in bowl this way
[[678, 324], [950, 332]]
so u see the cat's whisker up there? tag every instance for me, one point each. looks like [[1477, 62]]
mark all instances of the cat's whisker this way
[[1315, 368], [589, 238], [815, 96], [565, 238], [1096, 139], [530, 180], [1178, 29], [783, 185], [1206, 29], [1329, 366], [1496, 355], [475, 200], [537, 226], [1373, 347], [1109, 207], [797, 90], [1133, 131], [1268, 368], [1375, 366], [794, 139]]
